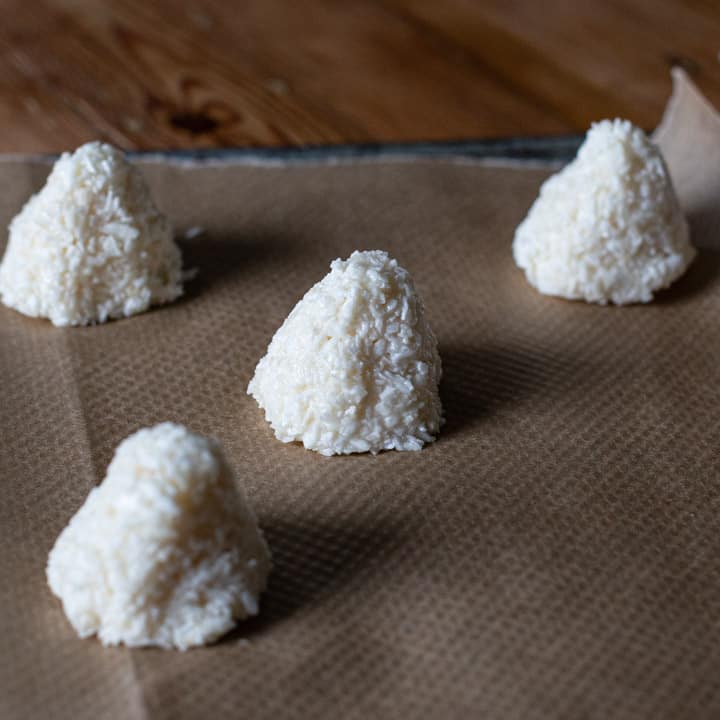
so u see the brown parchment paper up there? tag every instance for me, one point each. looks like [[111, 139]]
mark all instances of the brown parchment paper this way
[[555, 554]]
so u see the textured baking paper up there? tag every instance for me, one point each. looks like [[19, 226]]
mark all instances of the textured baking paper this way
[[556, 554]]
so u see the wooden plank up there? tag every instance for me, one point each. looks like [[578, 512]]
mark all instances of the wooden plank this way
[[587, 60], [213, 73]]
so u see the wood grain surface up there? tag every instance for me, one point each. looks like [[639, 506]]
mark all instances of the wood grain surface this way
[[166, 74]]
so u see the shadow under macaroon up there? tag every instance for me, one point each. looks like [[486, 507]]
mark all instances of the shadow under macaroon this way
[[699, 277], [214, 260], [312, 560], [479, 382], [705, 236]]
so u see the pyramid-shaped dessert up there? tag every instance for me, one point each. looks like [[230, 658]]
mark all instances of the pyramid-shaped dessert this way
[[355, 366], [166, 551], [91, 245], [608, 227]]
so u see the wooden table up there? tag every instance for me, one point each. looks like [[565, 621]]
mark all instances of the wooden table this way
[[167, 74]]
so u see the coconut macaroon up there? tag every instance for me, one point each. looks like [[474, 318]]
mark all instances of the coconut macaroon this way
[[166, 551], [607, 228], [91, 245], [355, 366]]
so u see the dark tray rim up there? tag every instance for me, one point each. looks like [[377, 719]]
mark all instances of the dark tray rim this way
[[539, 149]]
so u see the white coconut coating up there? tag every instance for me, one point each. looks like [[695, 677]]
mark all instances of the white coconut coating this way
[[608, 227], [355, 366], [166, 551], [91, 245]]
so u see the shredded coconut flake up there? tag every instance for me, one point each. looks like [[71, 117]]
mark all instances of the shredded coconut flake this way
[[355, 366], [90, 245], [609, 226], [166, 551]]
